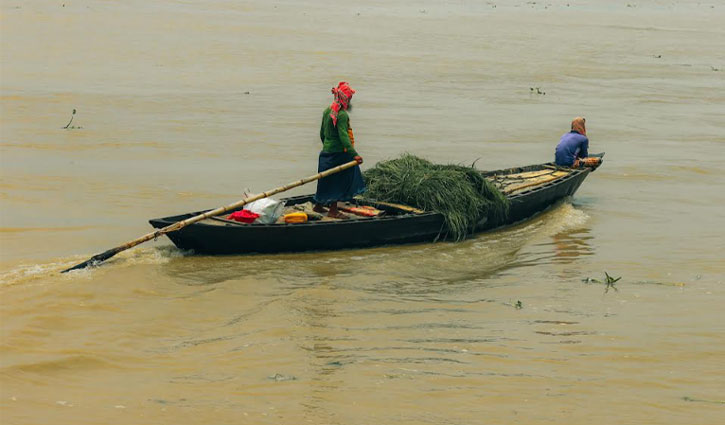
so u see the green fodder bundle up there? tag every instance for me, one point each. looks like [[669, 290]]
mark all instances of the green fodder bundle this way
[[461, 194]]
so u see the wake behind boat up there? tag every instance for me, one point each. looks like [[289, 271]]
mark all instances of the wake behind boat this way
[[529, 190]]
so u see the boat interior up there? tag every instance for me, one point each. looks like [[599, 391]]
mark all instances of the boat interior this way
[[512, 182], [517, 182], [358, 209]]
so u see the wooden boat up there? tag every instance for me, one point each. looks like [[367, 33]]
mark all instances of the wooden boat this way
[[531, 189]]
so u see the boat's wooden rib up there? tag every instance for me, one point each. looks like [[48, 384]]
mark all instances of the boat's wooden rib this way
[[519, 185]]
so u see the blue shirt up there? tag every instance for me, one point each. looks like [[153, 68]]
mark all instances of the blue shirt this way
[[571, 146]]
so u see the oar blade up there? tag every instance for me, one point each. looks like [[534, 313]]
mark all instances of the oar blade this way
[[94, 261]]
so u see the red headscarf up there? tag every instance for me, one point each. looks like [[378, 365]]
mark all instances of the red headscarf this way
[[343, 93]]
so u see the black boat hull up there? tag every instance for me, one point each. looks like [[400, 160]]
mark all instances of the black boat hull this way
[[228, 239]]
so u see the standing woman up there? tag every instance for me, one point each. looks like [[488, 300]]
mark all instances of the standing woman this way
[[338, 147]]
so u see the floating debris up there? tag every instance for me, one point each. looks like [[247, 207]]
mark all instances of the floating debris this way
[[71, 117], [162, 401], [536, 90], [281, 378], [609, 281], [571, 333], [68, 126], [701, 400], [654, 282], [518, 305], [591, 280]]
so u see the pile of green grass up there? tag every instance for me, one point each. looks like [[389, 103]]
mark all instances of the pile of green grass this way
[[461, 194]]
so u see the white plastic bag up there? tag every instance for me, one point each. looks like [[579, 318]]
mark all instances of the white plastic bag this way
[[269, 210]]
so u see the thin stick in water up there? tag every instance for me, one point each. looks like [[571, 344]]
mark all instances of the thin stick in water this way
[[71, 118]]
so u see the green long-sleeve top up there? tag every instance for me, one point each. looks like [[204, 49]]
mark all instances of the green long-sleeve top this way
[[335, 137]]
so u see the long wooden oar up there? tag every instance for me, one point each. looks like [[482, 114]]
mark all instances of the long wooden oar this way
[[98, 258]]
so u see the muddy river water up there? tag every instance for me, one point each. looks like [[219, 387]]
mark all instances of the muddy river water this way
[[184, 105]]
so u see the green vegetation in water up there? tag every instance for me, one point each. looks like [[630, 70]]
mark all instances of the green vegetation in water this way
[[461, 194], [609, 281], [518, 305]]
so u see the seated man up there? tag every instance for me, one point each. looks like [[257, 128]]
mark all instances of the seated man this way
[[573, 145]]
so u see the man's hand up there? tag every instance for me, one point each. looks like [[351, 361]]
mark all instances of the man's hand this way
[[358, 159]]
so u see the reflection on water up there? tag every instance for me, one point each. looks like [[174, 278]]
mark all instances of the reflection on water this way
[[447, 266], [570, 245]]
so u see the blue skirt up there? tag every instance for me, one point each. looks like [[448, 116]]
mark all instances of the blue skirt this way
[[340, 186]]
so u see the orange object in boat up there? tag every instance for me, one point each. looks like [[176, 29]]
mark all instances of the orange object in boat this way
[[295, 217], [591, 161], [365, 211]]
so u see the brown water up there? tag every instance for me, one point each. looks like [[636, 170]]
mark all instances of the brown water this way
[[184, 105]]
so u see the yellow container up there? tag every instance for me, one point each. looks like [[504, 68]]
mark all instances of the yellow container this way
[[295, 217]]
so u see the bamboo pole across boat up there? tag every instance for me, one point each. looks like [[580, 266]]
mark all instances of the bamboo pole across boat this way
[[98, 258], [400, 207]]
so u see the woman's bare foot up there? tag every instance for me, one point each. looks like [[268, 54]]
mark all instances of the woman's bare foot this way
[[335, 213], [319, 209]]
